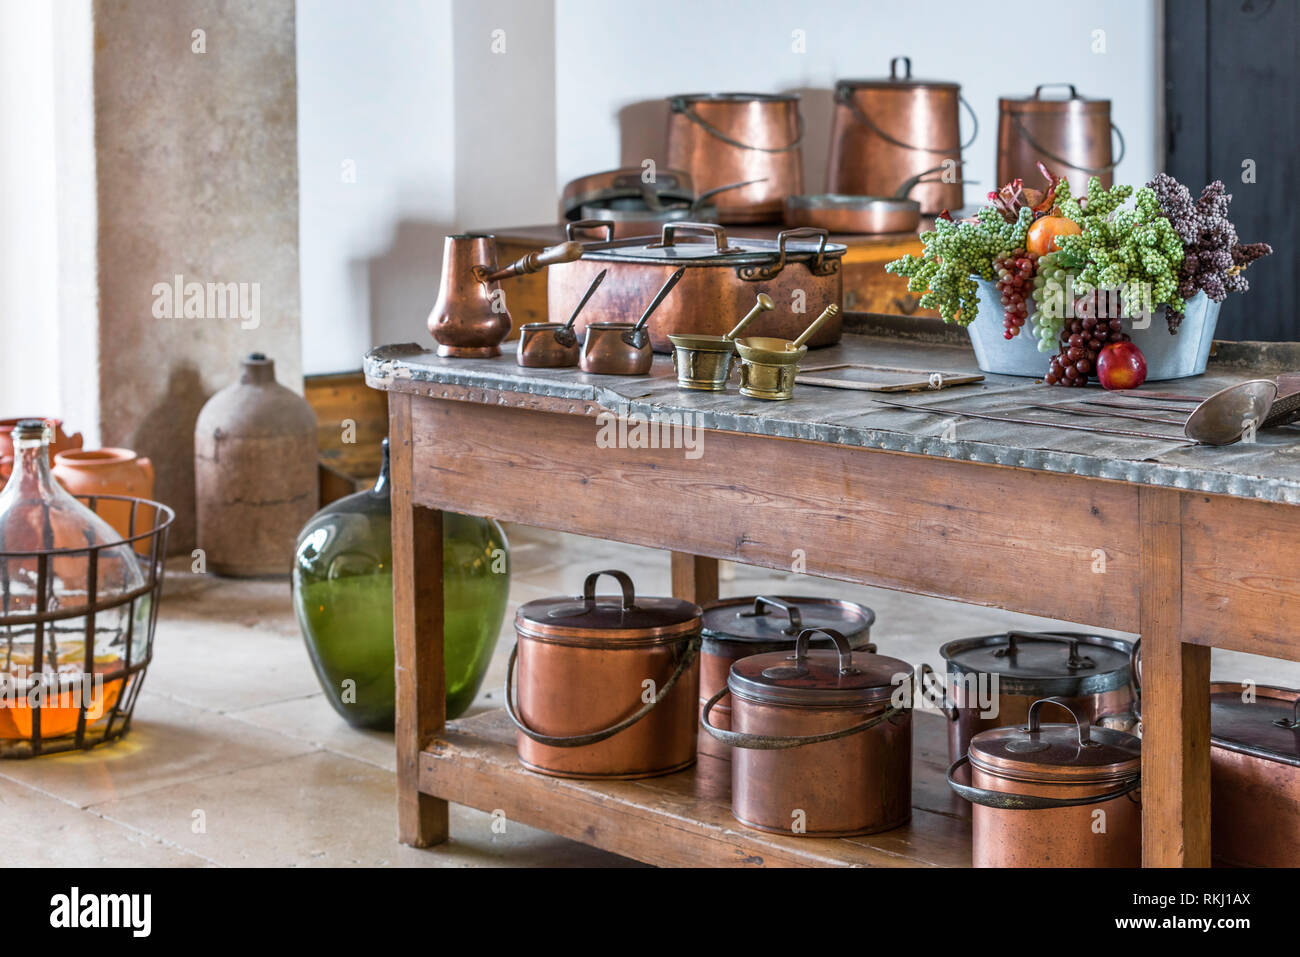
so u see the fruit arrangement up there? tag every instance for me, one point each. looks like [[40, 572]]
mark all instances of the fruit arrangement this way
[[1073, 269]]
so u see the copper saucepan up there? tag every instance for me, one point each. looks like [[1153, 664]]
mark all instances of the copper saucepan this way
[[623, 348], [554, 344]]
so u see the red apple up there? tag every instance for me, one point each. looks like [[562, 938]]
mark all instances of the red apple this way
[[1121, 365]]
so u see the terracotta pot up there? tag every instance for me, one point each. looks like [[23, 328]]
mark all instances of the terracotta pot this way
[[107, 472], [255, 473], [60, 441]]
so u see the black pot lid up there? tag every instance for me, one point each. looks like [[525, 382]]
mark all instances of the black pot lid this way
[[1055, 753], [761, 619], [1044, 663], [816, 679], [626, 617], [1252, 727]]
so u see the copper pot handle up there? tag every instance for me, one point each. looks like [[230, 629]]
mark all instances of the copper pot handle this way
[[679, 105], [1074, 662], [1091, 170], [761, 605], [604, 224], [844, 96], [668, 237], [624, 583], [592, 737], [1135, 676], [1074, 94], [772, 270], [1034, 725], [907, 66], [764, 742], [1004, 800], [534, 261], [949, 708], [841, 643]]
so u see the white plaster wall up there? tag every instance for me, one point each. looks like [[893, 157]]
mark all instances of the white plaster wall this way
[[614, 55], [374, 90]]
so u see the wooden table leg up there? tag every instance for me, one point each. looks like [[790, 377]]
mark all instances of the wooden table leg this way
[[695, 578], [417, 634], [1175, 699]]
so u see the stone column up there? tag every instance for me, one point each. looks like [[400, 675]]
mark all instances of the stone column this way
[[197, 183]]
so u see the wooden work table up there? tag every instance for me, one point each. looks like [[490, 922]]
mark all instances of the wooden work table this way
[[1191, 547]]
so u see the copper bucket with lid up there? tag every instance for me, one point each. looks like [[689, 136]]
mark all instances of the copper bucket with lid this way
[[993, 680], [1052, 795], [1071, 136], [885, 131], [736, 628], [822, 739], [1254, 776], [606, 683], [754, 138]]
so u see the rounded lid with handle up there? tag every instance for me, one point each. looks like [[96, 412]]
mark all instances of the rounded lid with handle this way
[[1264, 724], [777, 620], [1071, 101], [1073, 753], [1043, 664], [816, 677], [900, 78], [624, 618]]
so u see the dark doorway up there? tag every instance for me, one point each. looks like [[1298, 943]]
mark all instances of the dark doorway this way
[[1232, 71]]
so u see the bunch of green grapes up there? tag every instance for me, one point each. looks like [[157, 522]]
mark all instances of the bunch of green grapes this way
[[1050, 297], [955, 253], [1133, 249]]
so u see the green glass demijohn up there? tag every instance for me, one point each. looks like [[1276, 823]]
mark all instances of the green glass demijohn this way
[[343, 597]]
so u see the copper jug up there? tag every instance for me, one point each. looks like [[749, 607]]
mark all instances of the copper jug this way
[[725, 138], [887, 130], [470, 319], [1071, 136]]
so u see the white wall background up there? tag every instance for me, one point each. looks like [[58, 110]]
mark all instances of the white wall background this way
[[447, 135]]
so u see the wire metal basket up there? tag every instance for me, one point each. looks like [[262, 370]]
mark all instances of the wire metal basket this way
[[46, 706]]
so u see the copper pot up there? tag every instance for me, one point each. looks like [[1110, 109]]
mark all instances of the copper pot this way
[[470, 319], [606, 683], [723, 138], [551, 345], [1052, 795], [1255, 776], [1071, 136], [992, 681], [723, 276], [665, 187], [736, 628], [822, 749], [623, 348], [887, 130]]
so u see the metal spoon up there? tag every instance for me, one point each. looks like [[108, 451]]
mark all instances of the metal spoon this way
[[566, 336], [637, 337], [1225, 417]]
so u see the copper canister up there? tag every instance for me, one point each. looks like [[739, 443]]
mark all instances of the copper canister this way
[[887, 130], [993, 680], [606, 683], [724, 138], [1052, 795], [736, 628], [1071, 136], [1254, 776], [822, 739]]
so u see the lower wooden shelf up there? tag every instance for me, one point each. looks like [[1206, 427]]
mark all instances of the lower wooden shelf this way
[[684, 819]]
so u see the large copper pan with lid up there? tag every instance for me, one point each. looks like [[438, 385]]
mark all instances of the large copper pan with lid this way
[[799, 270], [887, 130], [992, 681], [606, 683], [1052, 795], [736, 628]]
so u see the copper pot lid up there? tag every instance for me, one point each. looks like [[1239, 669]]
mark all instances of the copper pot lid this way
[[815, 677], [718, 249], [625, 183], [1264, 728], [623, 619], [777, 620], [897, 80], [1037, 103], [1043, 664], [735, 98], [1073, 753]]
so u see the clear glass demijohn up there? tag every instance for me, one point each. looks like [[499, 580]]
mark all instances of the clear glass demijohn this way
[[49, 570]]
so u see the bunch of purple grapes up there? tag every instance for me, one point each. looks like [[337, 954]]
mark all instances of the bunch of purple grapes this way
[[1213, 259], [1016, 284], [1095, 325]]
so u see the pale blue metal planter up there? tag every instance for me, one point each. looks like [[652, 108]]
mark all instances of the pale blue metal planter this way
[[1168, 357]]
